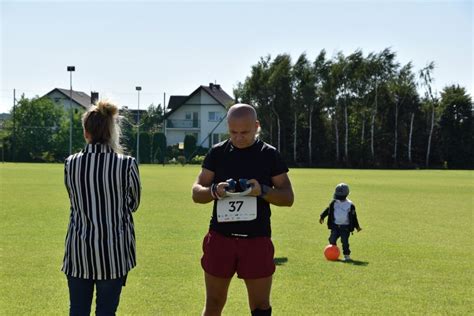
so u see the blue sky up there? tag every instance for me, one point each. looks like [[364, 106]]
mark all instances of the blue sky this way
[[173, 47]]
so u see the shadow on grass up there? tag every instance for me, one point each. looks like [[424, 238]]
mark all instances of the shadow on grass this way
[[355, 262], [280, 261]]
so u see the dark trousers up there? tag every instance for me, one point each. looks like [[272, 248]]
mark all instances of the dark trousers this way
[[343, 232], [107, 295]]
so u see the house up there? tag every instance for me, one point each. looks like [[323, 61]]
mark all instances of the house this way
[[80, 100], [133, 115], [201, 114]]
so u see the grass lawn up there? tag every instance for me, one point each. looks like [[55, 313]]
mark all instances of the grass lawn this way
[[413, 256]]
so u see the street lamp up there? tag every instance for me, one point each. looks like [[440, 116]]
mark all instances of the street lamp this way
[[70, 69], [138, 124]]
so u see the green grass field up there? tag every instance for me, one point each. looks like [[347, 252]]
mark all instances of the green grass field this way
[[414, 254]]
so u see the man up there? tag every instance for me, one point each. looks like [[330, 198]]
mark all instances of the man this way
[[239, 235]]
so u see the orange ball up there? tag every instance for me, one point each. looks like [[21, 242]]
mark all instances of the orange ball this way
[[331, 252]]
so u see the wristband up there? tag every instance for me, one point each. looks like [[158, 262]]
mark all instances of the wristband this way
[[263, 190], [214, 193]]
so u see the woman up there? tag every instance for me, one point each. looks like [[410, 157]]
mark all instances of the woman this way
[[104, 189]]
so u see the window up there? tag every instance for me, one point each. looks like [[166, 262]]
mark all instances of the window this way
[[187, 116], [215, 116], [215, 139]]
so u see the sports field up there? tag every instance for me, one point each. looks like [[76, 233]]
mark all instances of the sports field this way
[[415, 254]]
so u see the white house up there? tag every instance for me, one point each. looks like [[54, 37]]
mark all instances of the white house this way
[[201, 114], [80, 100]]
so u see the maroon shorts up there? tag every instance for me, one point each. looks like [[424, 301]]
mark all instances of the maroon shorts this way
[[251, 258]]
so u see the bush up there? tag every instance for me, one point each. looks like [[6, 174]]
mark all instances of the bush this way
[[182, 160], [189, 145], [197, 160]]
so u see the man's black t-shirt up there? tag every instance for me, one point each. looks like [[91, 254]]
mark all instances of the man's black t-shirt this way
[[260, 161]]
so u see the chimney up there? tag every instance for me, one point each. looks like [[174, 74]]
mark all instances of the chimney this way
[[211, 85], [94, 97]]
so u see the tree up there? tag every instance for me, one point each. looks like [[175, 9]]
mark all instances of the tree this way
[[152, 124], [60, 141], [380, 68], [189, 146], [403, 88], [159, 142], [37, 121], [352, 76], [363, 106], [432, 102], [304, 88], [321, 70], [279, 84], [256, 91], [456, 130]]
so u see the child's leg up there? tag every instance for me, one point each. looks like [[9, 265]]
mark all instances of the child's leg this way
[[334, 236], [345, 241]]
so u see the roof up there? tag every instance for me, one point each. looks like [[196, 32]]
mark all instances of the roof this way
[[217, 93], [81, 98], [176, 101], [214, 90]]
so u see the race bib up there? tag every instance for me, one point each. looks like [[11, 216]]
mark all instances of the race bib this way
[[237, 209]]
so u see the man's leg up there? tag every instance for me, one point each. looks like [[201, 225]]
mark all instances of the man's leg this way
[[80, 296], [108, 296], [216, 294], [259, 295]]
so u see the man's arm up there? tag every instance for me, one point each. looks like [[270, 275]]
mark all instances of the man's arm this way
[[202, 187], [281, 194]]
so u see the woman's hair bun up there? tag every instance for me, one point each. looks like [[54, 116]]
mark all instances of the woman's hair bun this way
[[107, 108]]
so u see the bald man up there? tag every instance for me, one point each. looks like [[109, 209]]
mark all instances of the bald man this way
[[238, 240]]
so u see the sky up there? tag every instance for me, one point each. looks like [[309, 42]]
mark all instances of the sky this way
[[174, 47]]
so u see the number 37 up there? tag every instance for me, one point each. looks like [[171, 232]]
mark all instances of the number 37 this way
[[235, 206]]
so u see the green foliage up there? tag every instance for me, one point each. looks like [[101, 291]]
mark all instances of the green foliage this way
[[159, 144], [197, 160], [456, 127], [405, 263], [153, 118], [352, 110], [189, 146], [36, 123], [152, 141], [181, 160], [61, 138], [146, 154]]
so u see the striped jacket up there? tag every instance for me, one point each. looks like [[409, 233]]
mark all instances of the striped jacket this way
[[104, 189]]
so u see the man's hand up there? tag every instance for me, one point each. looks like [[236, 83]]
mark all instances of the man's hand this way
[[321, 220], [256, 188], [358, 229]]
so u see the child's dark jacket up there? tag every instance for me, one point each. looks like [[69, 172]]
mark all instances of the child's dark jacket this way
[[329, 211]]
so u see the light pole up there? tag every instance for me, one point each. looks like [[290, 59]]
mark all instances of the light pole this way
[[138, 124], [70, 69]]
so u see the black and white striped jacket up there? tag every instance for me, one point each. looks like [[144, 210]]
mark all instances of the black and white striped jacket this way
[[104, 190]]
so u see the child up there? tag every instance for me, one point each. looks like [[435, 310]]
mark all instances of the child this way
[[342, 219]]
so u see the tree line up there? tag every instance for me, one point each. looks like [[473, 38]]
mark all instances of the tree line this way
[[359, 111], [362, 111]]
